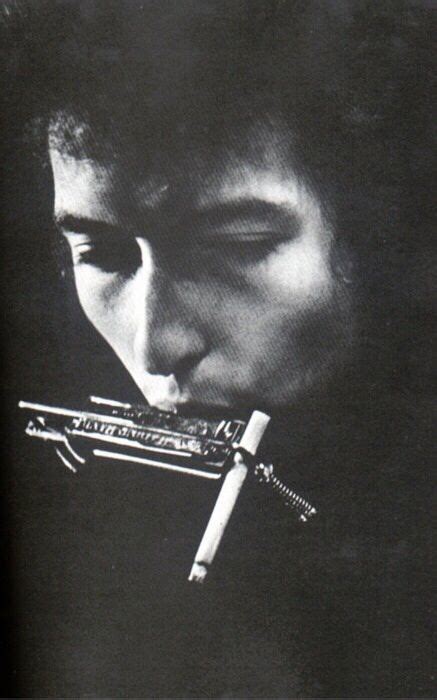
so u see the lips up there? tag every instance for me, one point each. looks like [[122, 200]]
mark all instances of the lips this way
[[198, 397], [211, 411], [166, 396]]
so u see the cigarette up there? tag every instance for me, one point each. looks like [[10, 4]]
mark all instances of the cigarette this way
[[228, 496]]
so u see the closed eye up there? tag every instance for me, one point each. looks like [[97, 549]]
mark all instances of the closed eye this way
[[106, 253], [242, 248], [116, 252]]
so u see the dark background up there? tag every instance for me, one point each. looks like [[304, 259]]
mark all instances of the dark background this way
[[85, 558]]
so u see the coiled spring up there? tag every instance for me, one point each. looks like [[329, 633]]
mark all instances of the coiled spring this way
[[265, 475]]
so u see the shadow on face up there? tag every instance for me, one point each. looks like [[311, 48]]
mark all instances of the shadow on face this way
[[211, 280]]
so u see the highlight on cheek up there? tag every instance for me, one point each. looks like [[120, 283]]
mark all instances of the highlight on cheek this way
[[297, 268], [108, 303]]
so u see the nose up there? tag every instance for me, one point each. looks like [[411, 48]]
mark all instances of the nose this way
[[168, 336]]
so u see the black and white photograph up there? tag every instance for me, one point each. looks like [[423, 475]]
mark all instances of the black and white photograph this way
[[217, 306]]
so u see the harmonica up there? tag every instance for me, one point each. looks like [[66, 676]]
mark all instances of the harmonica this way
[[223, 450]]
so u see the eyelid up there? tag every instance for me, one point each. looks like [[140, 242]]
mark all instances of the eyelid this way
[[247, 235], [220, 242], [245, 238], [104, 254]]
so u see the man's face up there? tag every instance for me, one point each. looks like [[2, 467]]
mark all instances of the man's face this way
[[215, 289]]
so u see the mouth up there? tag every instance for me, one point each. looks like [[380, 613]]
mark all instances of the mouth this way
[[212, 411]]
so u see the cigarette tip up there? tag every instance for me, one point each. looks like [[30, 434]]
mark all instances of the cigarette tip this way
[[198, 573]]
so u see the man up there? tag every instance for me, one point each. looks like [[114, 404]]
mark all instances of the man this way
[[216, 290], [218, 175]]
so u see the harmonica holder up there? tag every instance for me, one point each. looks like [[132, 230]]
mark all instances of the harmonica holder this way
[[219, 450]]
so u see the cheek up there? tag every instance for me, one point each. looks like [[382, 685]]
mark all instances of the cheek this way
[[298, 273], [291, 313], [292, 286], [300, 296], [312, 307], [104, 299]]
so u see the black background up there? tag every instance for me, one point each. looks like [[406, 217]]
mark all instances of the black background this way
[[94, 566]]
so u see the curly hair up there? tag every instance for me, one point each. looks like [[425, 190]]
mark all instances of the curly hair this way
[[143, 78]]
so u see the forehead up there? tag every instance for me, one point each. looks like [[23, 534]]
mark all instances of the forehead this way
[[257, 169]]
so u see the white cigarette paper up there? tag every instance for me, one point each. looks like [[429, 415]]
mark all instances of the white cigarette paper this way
[[227, 497]]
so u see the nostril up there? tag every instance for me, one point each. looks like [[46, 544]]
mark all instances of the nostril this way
[[174, 362], [186, 364], [171, 350]]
